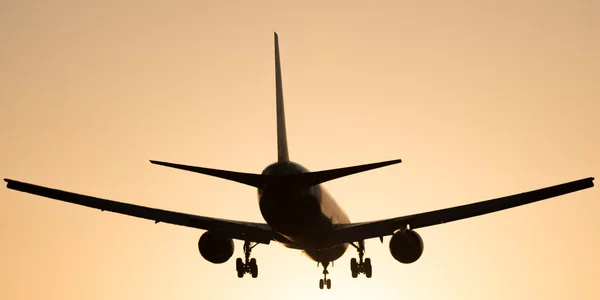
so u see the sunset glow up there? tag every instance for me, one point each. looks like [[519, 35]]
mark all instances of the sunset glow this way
[[479, 99]]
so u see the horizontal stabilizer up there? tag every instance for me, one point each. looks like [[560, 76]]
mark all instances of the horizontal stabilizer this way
[[314, 178], [255, 180]]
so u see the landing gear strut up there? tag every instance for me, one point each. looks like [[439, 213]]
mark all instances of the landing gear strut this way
[[248, 265], [362, 266], [325, 281]]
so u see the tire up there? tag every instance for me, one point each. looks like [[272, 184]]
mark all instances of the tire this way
[[321, 283], [239, 267], [254, 270], [353, 265], [328, 283]]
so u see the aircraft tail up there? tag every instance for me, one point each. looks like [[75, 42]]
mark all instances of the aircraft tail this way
[[282, 146], [298, 180]]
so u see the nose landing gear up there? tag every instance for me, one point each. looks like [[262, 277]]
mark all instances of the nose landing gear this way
[[361, 266], [325, 282], [248, 265]]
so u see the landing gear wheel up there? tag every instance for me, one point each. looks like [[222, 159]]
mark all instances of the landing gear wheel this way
[[368, 268], [325, 281], [253, 268], [361, 266], [248, 265], [239, 267]]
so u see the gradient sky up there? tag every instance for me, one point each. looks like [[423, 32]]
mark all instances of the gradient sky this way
[[480, 99]]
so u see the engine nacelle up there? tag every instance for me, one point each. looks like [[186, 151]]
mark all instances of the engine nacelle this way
[[406, 247], [215, 248]]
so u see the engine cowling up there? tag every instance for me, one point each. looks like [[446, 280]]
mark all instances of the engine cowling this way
[[215, 248], [406, 247]]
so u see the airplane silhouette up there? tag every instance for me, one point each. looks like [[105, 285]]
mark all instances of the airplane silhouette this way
[[300, 213]]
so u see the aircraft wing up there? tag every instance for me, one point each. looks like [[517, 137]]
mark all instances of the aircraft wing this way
[[348, 233], [254, 232]]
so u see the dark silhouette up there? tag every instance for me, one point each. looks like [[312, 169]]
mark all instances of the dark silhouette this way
[[299, 213]]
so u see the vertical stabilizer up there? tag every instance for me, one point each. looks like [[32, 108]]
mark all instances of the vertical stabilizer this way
[[282, 147]]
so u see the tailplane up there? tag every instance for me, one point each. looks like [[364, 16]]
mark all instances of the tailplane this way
[[302, 180], [282, 147], [255, 180], [313, 178]]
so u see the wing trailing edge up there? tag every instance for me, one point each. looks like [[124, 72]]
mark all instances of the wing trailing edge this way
[[359, 231], [256, 232]]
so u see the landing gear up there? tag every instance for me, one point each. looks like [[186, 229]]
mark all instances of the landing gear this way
[[248, 265], [361, 266], [325, 282]]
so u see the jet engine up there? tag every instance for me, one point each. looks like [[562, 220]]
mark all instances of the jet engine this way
[[406, 247], [215, 248]]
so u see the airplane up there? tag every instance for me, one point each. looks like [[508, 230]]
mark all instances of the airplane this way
[[299, 213]]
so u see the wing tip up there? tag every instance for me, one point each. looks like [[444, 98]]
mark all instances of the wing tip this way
[[391, 162], [163, 163], [10, 184], [589, 180]]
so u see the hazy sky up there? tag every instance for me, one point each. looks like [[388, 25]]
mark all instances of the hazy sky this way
[[480, 99]]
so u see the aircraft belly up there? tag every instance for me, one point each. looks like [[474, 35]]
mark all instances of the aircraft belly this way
[[327, 255], [314, 250], [314, 242]]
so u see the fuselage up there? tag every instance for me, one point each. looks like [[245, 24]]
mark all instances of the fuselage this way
[[304, 217]]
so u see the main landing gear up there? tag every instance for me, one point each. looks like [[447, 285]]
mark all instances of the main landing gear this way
[[325, 281], [360, 267], [249, 265]]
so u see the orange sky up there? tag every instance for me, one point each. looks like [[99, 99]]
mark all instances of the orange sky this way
[[480, 99]]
